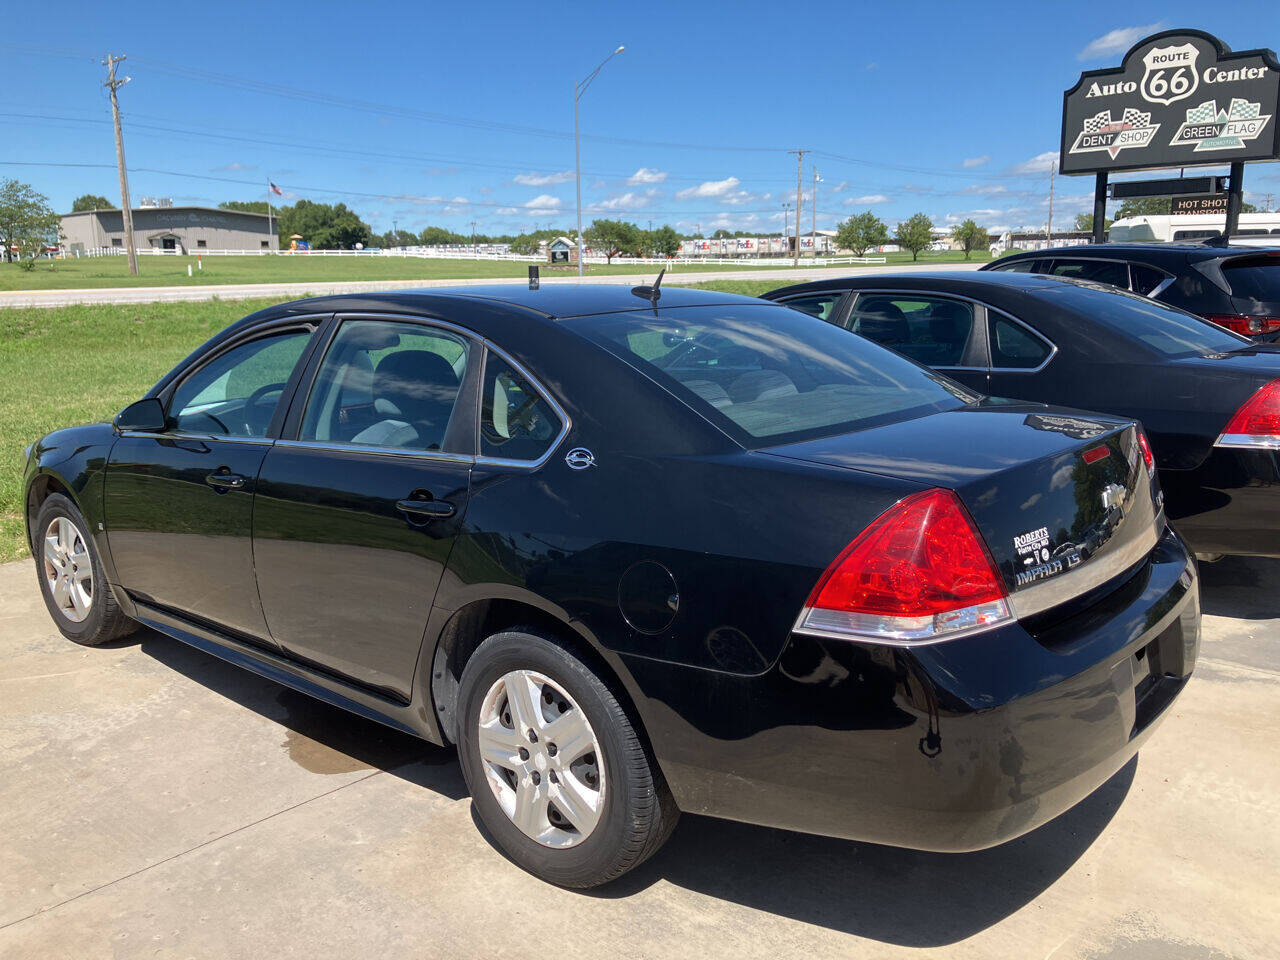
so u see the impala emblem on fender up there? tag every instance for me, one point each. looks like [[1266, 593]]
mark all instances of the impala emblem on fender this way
[[579, 458]]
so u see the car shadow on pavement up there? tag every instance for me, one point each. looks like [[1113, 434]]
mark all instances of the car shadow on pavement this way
[[319, 737], [903, 897], [1240, 587]]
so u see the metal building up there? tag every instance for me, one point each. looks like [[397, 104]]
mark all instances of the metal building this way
[[176, 229]]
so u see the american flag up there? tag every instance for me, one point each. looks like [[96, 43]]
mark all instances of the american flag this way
[[274, 189]]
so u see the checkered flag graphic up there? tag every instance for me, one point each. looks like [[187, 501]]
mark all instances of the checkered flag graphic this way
[[1097, 121], [1136, 118], [1205, 113], [1244, 110]]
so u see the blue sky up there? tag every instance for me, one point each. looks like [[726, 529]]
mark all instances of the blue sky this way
[[449, 113]]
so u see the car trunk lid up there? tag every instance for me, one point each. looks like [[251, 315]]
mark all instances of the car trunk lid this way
[[1063, 500]]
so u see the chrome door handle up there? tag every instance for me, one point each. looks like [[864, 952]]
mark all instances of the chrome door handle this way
[[427, 509], [225, 481]]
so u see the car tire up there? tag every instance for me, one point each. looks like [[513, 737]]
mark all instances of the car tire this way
[[72, 581], [633, 809]]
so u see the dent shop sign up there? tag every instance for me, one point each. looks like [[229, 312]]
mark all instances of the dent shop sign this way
[[1180, 99]]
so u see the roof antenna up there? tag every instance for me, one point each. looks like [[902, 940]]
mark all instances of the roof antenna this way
[[1221, 240], [651, 293]]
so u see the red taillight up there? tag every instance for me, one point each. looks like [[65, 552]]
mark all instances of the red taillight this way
[[920, 572], [1257, 422], [1248, 326], [1147, 456]]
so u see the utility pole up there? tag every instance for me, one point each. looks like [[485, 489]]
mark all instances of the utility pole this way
[[799, 198], [816, 180], [1048, 230], [474, 249], [786, 207], [126, 211]]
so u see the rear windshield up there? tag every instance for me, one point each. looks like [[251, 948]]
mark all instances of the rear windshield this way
[[767, 374], [1167, 330], [1254, 278]]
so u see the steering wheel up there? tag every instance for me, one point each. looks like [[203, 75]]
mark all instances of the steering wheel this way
[[204, 413], [256, 398]]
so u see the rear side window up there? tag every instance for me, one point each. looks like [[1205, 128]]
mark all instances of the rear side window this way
[[1099, 271], [767, 374], [1146, 279], [930, 330], [516, 422], [1017, 266], [1014, 347], [1254, 278], [820, 305]]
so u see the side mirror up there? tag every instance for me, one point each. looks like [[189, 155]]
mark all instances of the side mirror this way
[[146, 416]]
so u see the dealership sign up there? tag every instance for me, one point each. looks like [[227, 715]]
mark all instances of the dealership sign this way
[[1180, 98]]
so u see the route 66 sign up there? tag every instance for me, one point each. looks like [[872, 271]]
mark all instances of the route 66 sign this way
[[1170, 73]]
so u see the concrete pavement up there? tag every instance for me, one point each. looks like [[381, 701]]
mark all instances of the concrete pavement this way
[[157, 802], [293, 291]]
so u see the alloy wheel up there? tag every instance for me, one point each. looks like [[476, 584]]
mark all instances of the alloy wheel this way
[[541, 759], [68, 570]]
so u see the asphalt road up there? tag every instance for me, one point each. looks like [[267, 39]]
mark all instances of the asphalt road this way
[[292, 291], [160, 803]]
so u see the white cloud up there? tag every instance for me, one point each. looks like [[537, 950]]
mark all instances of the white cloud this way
[[623, 201], [868, 199], [543, 179], [1117, 41], [970, 162], [647, 175], [543, 203], [985, 189], [234, 167], [1037, 164], [840, 187], [711, 188]]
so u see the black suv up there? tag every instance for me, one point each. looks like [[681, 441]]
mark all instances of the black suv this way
[[1236, 287]]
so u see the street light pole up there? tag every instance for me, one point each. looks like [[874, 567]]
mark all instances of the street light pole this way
[[578, 90]]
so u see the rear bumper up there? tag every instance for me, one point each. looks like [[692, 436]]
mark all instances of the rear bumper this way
[[951, 747], [1228, 504]]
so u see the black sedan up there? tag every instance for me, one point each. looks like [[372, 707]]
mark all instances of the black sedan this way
[[1235, 287], [637, 552], [1208, 398]]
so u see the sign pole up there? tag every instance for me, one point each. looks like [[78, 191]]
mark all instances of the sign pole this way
[[1235, 196], [1100, 207]]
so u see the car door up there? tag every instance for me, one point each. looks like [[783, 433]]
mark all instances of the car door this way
[[360, 501], [178, 504], [937, 330]]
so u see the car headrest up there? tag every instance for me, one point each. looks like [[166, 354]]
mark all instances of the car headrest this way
[[949, 322], [883, 321], [420, 383]]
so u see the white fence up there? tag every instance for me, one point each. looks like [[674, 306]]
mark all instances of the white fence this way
[[429, 254]]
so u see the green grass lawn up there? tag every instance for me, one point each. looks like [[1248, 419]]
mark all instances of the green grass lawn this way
[[68, 365], [160, 271]]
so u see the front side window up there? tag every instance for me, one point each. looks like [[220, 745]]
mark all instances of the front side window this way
[[516, 422], [1016, 266], [766, 374], [1014, 347], [934, 331], [390, 384], [820, 305], [236, 393]]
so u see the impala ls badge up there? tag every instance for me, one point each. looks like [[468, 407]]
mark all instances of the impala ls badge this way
[[579, 458]]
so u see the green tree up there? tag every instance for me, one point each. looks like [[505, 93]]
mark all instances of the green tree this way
[[970, 236], [526, 245], [324, 226], [862, 232], [27, 222], [439, 236], [664, 241], [91, 201], [613, 237], [248, 206], [914, 234]]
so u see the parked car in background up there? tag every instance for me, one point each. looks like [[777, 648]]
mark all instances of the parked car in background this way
[[637, 552], [1235, 287], [1209, 398]]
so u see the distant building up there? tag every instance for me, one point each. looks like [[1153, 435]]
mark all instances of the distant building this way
[[562, 250], [1027, 240], [180, 229]]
